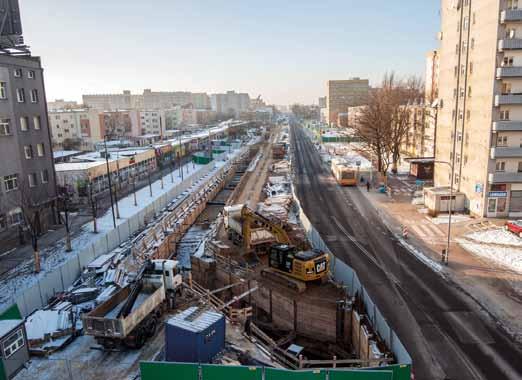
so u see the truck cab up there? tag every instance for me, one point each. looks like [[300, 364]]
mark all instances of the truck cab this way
[[166, 272]]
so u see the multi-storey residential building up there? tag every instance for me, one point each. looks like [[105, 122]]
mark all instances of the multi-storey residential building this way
[[113, 102], [60, 104], [74, 128], [342, 94], [322, 102], [200, 100], [27, 181], [480, 113], [419, 139], [151, 122], [119, 124], [231, 103], [432, 76]]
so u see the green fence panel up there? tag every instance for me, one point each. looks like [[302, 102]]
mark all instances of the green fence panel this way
[[217, 372], [12, 313], [360, 375], [168, 371], [400, 371], [283, 374]]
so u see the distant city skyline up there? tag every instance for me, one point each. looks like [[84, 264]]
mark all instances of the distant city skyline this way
[[285, 51]]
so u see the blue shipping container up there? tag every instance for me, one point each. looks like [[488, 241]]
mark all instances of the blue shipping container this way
[[194, 338]]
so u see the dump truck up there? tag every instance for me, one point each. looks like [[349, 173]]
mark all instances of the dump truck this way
[[130, 316]]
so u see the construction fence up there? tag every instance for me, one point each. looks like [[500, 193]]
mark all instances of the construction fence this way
[[185, 371], [63, 276], [346, 276]]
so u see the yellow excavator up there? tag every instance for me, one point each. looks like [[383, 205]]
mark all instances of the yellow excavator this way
[[287, 257]]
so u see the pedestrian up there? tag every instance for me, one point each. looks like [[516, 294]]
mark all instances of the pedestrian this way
[[368, 186]]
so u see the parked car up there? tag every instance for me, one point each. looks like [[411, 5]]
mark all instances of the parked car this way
[[515, 226]]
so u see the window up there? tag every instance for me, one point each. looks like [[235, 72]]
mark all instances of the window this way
[[468, 115], [20, 95], [506, 88], [31, 74], [456, 71], [40, 150], [520, 166], [24, 123], [31, 178], [474, 18], [28, 150], [454, 93], [3, 222], [5, 129], [462, 69], [45, 176], [504, 115], [507, 61], [18, 73], [471, 67], [512, 4], [34, 96], [11, 182], [510, 33], [500, 166], [462, 92], [472, 44], [13, 343], [3, 90], [502, 141], [469, 91], [36, 122]]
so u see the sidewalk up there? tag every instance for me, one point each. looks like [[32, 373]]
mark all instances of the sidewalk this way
[[496, 288]]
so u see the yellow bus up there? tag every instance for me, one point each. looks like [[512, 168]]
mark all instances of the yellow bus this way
[[344, 174]]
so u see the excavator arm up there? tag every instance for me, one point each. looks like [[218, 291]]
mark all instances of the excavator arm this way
[[249, 217]]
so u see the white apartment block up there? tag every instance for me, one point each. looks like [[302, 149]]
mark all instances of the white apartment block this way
[[231, 103], [152, 122], [479, 128], [74, 126]]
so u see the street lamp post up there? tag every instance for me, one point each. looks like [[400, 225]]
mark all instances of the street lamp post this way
[[110, 182], [445, 254]]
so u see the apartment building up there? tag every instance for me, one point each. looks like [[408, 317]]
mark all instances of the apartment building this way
[[419, 141], [480, 109], [322, 101], [60, 104], [231, 103], [149, 100], [119, 124], [27, 182], [74, 128], [151, 122], [342, 94]]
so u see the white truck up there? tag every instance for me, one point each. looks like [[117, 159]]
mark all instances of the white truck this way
[[130, 316]]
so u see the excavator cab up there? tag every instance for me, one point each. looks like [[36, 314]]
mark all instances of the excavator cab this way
[[303, 265]]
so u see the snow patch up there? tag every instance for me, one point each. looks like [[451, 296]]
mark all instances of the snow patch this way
[[495, 236], [436, 267], [508, 257]]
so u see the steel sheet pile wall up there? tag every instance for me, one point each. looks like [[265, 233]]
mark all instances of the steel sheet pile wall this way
[[346, 276], [37, 295], [168, 371]]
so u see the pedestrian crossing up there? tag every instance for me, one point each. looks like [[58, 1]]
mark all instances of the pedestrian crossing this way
[[427, 231]]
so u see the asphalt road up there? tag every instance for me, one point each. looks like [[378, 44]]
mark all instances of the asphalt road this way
[[445, 331]]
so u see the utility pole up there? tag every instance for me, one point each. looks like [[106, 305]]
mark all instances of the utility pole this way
[[134, 187], [118, 186], [68, 247], [92, 200], [150, 183], [445, 253], [110, 182]]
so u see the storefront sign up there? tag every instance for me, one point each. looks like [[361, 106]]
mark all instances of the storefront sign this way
[[497, 194]]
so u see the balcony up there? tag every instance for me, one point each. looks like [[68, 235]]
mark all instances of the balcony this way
[[510, 44], [507, 126], [509, 72], [510, 15], [504, 177], [508, 99], [505, 152]]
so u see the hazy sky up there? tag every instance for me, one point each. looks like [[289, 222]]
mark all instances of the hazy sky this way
[[284, 50]]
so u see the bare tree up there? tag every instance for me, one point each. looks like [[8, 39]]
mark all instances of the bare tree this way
[[384, 123], [32, 208]]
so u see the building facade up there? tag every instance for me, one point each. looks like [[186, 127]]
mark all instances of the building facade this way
[[74, 128], [432, 76], [60, 104], [151, 122], [480, 114], [231, 103], [322, 102], [342, 94], [27, 177], [420, 139]]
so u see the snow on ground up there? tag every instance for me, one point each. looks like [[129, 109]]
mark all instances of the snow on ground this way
[[443, 219], [497, 236], [22, 277], [509, 257], [347, 151], [436, 267]]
